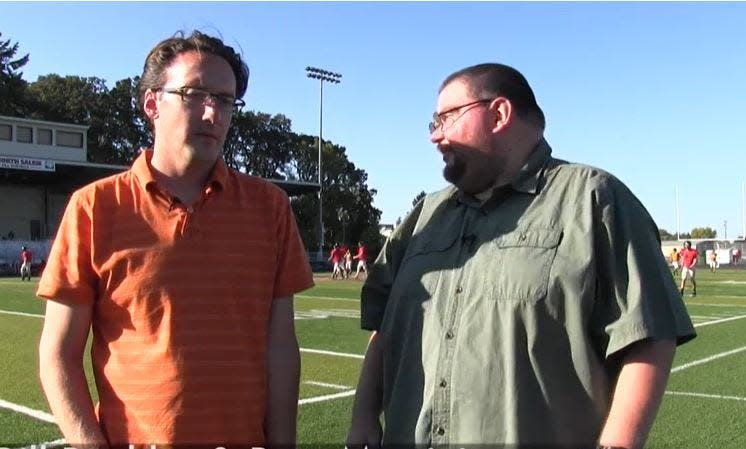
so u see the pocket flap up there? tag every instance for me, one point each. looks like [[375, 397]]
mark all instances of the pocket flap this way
[[538, 238]]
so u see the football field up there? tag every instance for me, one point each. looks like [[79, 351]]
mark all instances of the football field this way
[[704, 406]]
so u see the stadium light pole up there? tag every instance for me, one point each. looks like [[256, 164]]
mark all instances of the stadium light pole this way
[[334, 78]]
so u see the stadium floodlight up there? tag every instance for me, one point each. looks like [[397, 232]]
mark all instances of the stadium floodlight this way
[[334, 78]]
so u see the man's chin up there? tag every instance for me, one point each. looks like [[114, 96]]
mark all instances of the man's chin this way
[[453, 174]]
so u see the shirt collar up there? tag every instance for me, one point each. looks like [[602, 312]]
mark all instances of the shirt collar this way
[[143, 171], [528, 179]]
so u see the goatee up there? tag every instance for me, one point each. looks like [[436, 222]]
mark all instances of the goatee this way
[[454, 169]]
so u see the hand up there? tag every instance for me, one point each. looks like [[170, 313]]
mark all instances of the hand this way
[[364, 432]]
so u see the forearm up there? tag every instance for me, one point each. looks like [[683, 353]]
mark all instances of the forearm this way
[[369, 394], [283, 374], [67, 392], [637, 396]]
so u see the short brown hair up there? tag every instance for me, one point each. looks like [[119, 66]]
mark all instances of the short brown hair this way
[[161, 56], [494, 80]]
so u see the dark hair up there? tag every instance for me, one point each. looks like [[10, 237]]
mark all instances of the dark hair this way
[[499, 80], [687, 242], [161, 56]]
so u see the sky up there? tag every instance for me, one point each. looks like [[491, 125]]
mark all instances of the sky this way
[[652, 92]]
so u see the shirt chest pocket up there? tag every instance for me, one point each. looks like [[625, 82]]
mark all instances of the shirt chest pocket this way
[[517, 265]]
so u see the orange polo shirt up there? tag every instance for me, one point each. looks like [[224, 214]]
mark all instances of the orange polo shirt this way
[[181, 301]]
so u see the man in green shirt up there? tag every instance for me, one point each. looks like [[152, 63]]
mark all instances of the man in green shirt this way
[[529, 304]]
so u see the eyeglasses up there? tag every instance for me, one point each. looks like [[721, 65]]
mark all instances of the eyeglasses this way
[[197, 96], [446, 119]]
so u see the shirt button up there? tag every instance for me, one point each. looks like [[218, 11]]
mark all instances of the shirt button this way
[[190, 209], [443, 383], [459, 289], [449, 335], [523, 237], [440, 431]]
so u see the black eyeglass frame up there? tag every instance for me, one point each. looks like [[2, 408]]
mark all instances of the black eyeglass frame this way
[[225, 102], [439, 119]]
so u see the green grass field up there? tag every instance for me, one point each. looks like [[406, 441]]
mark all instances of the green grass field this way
[[704, 406]]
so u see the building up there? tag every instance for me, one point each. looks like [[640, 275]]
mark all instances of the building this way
[[41, 164]]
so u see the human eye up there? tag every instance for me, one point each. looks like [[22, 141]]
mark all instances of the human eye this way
[[226, 101], [194, 94]]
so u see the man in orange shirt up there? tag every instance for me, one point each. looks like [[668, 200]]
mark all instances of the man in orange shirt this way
[[178, 358]]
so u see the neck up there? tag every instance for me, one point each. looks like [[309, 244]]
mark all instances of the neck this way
[[182, 178], [520, 143]]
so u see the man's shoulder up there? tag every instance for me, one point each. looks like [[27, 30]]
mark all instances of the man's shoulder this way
[[439, 196], [566, 171], [257, 185], [104, 186]]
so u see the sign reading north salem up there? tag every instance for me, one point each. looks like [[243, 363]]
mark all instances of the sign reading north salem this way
[[26, 163]]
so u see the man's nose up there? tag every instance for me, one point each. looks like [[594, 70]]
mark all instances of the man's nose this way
[[436, 135]]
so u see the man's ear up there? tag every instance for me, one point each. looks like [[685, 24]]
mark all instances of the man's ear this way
[[150, 104], [502, 112]]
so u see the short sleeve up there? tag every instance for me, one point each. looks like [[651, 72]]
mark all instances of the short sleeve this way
[[375, 293], [293, 268], [636, 296], [69, 276]]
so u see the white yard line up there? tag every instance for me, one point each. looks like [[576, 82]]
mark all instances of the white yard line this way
[[722, 320], [707, 359], [48, 444], [38, 414], [12, 312], [327, 397], [337, 354], [326, 385], [704, 395], [714, 304], [327, 298]]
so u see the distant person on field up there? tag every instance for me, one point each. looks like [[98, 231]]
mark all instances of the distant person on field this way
[[336, 256], [362, 259], [674, 260], [26, 258], [688, 267], [713, 262], [527, 305], [348, 262], [185, 270]]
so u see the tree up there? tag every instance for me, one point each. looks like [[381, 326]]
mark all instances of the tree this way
[[703, 233], [73, 99], [259, 144], [125, 130], [418, 198], [13, 100], [665, 235], [347, 200]]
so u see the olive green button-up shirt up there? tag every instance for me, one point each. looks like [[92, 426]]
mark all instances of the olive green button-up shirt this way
[[500, 319]]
